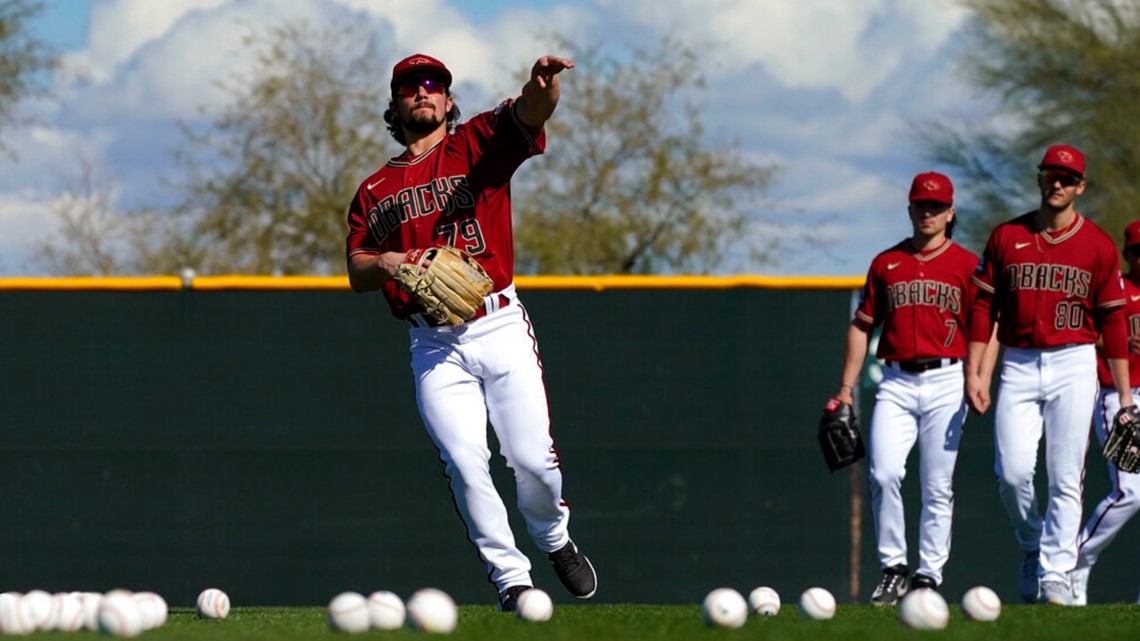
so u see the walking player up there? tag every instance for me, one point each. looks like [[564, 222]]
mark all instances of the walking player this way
[[919, 291], [1053, 279], [452, 187], [1124, 499]]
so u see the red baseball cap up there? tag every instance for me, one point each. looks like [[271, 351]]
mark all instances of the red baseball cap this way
[[422, 65], [1132, 234], [932, 186], [1064, 157]]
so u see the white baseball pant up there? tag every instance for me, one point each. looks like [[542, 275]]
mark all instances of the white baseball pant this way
[[490, 368], [927, 407], [1048, 392], [1121, 502]]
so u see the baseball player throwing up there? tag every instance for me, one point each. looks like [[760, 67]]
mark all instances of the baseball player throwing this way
[[1124, 499], [451, 186], [1052, 277], [919, 291]]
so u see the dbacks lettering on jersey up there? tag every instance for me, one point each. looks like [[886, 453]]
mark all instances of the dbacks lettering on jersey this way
[[1073, 281], [944, 296], [441, 196]]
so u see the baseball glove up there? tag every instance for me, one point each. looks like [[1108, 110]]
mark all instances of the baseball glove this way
[[1122, 447], [839, 436], [450, 288]]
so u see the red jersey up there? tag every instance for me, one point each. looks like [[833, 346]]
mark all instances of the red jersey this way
[[920, 299], [1049, 289], [1132, 321], [456, 193]]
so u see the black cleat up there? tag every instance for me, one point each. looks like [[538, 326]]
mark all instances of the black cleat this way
[[1027, 582], [923, 582], [574, 570], [509, 598], [892, 587]]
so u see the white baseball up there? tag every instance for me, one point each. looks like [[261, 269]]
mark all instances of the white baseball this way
[[13, 618], [432, 610], [386, 610], [90, 601], [348, 612], [724, 608], [153, 609], [981, 604], [119, 616], [817, 604], [764, 601], [37, 608], [213, 604], [924, 610], [535, 605], [67, 612]]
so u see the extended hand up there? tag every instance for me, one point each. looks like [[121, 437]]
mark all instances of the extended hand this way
[[546, 67]]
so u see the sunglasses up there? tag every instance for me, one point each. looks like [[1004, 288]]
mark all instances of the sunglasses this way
[[410, 88], [1065, 178]]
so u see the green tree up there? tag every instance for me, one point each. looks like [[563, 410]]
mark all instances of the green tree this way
[[633, 187], [263, 183], [24, 59], [1056, 71]]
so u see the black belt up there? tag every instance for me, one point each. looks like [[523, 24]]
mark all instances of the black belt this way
[[491, 303], [923, 364]]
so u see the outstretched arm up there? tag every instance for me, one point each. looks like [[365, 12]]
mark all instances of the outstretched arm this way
[[540, 94]]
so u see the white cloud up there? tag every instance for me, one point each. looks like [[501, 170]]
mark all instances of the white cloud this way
[[849, 46], [119, 28], [25, 217]]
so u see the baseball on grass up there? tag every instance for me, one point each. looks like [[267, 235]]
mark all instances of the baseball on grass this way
[[924, 610], [433, 611], [153, 609], [67, 611], [981, 604], [213, 604], [817, 604], [764, 601], [13, 618], [535, 605], [119, 616], [724, 608], [37, 607], [386, 610], [91, 601], [348, 612]]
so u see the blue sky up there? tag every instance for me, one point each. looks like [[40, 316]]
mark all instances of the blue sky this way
[[829, 90]]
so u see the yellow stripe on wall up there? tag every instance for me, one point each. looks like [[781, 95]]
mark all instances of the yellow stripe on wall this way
[[143, 283], [598, 283]]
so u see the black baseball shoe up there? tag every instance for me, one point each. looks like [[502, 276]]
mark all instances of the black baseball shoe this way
[[574, 570], [892, 587], [509, 598], [923, 582], [1027, 585]]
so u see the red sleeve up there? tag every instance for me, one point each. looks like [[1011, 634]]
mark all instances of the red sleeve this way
[[359, 241], [869, 313], [980, 325], [1114, 328]]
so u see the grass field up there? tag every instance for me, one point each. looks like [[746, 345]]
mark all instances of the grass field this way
[[664, 623]]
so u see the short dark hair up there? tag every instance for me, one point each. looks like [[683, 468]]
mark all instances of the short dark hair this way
[[396, 128]]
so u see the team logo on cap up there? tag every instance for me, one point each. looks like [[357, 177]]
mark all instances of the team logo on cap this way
[[931, 185], [1065, 156], [419, 61]]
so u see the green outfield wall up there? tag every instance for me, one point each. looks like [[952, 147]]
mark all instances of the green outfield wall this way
[[264, 439]]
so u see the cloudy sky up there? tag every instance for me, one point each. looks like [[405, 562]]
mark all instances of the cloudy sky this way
[[828, 89]]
